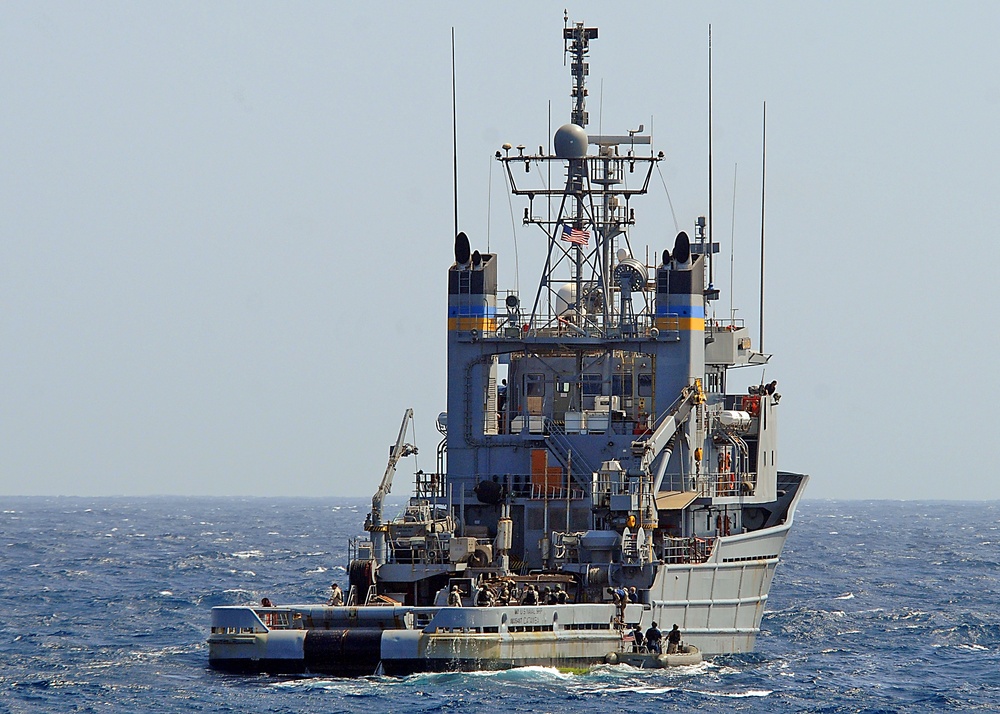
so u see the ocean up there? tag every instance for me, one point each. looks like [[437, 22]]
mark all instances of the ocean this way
[[877, 606]]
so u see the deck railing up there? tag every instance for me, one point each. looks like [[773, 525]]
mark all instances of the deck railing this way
[[687, 550]]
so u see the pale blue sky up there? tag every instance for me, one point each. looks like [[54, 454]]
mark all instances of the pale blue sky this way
[[224, 227]]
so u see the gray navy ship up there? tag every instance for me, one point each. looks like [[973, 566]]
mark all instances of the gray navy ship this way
[[598, 471]]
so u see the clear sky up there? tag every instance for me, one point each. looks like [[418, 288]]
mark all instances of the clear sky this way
[[225, 227]]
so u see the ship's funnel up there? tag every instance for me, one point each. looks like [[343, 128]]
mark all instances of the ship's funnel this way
[[682, 250], [462, 249]]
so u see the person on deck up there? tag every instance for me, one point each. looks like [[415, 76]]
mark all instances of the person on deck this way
[[621, 597], [673, 640], [484, 598], [454, 597], [653, 637], [637, 639], [336, 596], [530, 595]]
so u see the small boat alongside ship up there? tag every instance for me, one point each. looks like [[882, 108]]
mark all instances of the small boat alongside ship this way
[[597, 470], [688, 655]]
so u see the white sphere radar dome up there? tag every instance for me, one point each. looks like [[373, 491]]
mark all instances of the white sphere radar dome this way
[[571, 142]]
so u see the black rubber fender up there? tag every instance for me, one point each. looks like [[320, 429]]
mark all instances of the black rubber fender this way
[[352, 652]]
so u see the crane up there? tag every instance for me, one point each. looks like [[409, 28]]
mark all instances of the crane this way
[[374, 523], [660, 441]]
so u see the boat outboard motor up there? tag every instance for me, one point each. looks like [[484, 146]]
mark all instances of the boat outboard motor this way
[[682, 250], [462, 250]]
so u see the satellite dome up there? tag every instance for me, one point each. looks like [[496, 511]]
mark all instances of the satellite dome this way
[[571, 142]]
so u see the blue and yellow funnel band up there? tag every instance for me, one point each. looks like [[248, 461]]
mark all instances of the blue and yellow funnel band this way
[[676, 323], [472, 311], [483, 324], [680, 311]]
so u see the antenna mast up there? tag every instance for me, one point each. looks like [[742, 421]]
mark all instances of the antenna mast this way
[[454, 128], [579, 38], [711, 261], [763, 184]]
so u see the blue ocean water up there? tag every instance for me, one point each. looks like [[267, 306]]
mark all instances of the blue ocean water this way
[[877, 607]]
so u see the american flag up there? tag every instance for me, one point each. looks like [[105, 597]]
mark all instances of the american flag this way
[[575, 235]]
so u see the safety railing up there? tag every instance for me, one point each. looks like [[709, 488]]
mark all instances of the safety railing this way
[[686, 550], [726, 484]]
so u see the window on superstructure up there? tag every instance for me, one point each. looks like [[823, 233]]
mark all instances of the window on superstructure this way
[[645, 385], [592, 384], [534, 385], [621, 385]]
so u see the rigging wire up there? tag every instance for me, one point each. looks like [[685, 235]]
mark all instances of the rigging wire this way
[[513, 231], [677, 227]]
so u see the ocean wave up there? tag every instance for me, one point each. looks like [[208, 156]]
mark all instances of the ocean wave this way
[[119, 624]]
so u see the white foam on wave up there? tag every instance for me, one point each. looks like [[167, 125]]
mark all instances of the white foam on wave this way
[[760, 693], [319, 569], [845, 596], [245, 554]]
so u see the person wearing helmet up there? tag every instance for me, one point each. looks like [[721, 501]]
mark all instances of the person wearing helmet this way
[[336, 596]]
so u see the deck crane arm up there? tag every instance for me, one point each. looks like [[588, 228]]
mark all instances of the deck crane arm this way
[[374, 523], [661, 440]]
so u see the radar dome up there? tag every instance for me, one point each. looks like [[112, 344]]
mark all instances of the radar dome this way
[[571, 142]]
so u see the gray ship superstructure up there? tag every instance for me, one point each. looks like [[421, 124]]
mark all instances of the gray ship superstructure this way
[[593, 448]]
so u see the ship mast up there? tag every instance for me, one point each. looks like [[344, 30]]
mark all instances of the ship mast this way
[[579, 38], [593, 203]]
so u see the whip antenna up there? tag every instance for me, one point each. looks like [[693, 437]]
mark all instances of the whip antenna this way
[[711, 261], [732, 249], [763, 184], [454, 128]]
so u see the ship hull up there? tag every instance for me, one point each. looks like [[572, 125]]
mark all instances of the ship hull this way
[[718, 605]]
